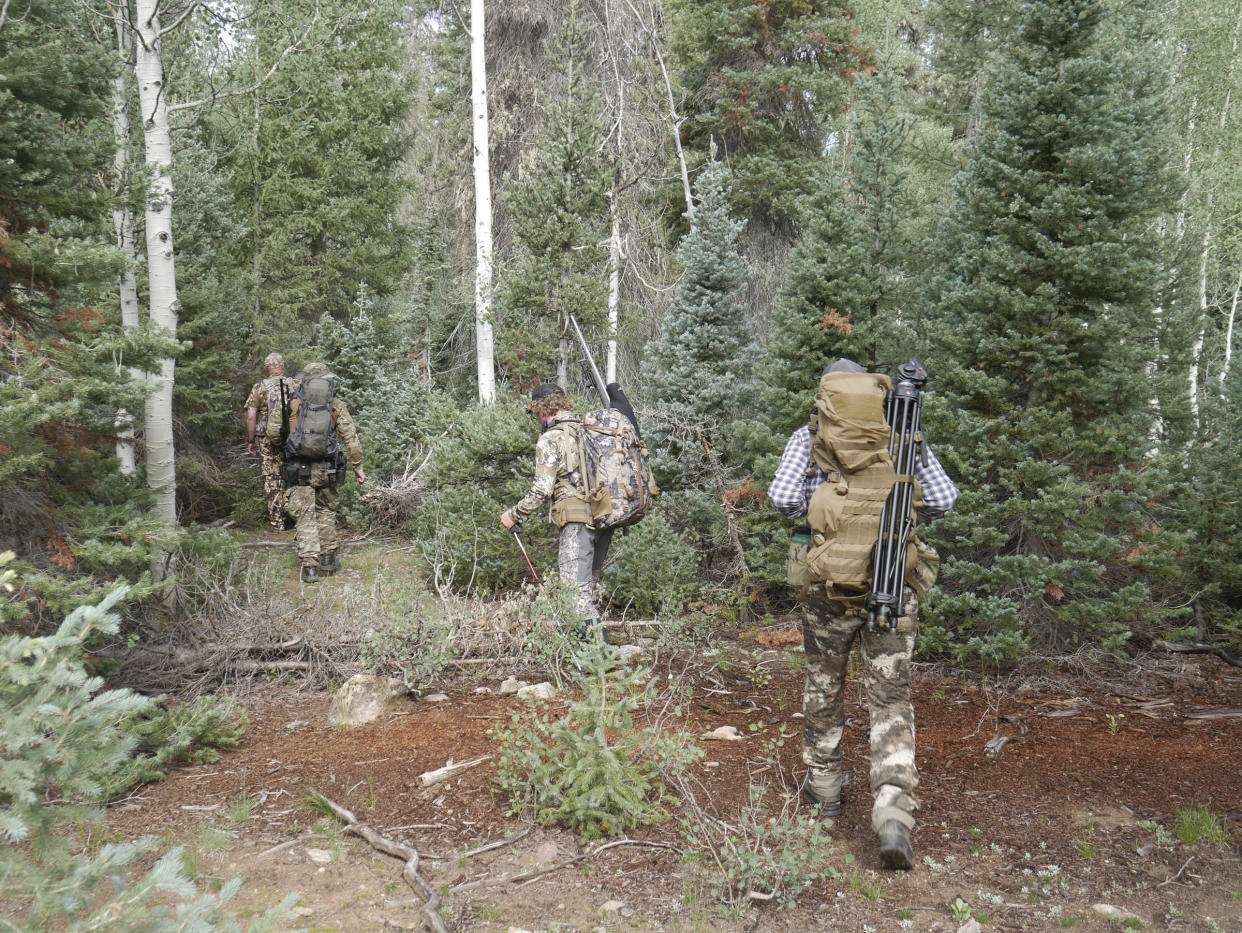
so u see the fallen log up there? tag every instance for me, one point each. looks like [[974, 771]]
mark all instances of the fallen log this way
[[1202, 648]]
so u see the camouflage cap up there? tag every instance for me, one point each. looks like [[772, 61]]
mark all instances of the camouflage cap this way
[[315, 369], [274, 361]]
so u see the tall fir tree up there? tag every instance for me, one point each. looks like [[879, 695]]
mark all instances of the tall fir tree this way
[[317, 157], [962, 35], [697, 372], [1045, 319], [560, 217], [766, 81], [697, 377], [851, 286], [64, 508]]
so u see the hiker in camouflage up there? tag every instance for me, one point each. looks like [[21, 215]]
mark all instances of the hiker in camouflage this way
[[830, 627], [264, 398], [558, 478], [314, 501]]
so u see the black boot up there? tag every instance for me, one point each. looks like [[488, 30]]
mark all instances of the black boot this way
[[821, 807], [329, 563], [896, 853], [310, 574]]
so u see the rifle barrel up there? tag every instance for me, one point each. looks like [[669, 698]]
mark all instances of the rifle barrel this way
[[595, 373]]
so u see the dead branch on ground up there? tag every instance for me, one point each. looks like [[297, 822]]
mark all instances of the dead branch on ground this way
[[431, 900], [533, 873]]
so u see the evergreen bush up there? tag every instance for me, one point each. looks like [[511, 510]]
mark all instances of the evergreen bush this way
[[763, 856], [651, 571], [590, 769], [1043, 321], [64, 743], [481, 464]]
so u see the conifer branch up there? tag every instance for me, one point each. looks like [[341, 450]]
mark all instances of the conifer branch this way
[[242, 92]]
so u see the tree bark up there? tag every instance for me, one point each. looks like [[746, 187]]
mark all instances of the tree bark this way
[[123, 229], [161, 265], [483, 335]]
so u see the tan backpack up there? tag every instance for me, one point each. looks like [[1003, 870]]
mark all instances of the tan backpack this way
[[849, 442]]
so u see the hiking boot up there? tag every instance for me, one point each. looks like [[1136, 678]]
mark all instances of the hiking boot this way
[[822, 807], [310, 574], [329, 563], [896, 853], [588, 630]]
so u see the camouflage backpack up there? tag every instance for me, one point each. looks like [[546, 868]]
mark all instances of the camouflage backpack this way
[[849, 442], [313, 434], [615, 469]]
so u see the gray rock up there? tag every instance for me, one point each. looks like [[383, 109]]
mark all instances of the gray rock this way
[[629, 654], [543, 691], [363, 698]]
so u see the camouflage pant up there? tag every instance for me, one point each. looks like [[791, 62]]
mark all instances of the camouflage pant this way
[[581, 559], [273, 487], [829, 629], [314, 507]]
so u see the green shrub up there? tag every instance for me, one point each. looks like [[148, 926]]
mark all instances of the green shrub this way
[[413, 642], [652, 571], [591, 770], [481, 465], [64, 741], [192, 732], [764, 856]]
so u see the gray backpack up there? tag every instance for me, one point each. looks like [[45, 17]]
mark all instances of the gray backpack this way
[[314, 435]]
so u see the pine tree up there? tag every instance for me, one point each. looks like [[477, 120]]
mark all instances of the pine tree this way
[[851, 288], [766, 80], [64, 742], [963, 35], [697, 377], [697, 372], [63, 507], [317, 159], [559, 211], [1044, 324]]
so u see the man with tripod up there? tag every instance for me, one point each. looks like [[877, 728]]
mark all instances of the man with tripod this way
[[839, 475]]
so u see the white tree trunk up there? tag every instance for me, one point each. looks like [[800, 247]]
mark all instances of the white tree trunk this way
[[1233, 316], [657, 42], [161, 268], [614, 290], [123, 228], [483, 336], [1196, 350]]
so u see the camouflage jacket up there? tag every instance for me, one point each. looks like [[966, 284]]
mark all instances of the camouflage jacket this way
[[557, 473], [265, 397], [345, 430]]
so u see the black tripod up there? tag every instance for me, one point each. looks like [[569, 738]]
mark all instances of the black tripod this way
[[903, 409]]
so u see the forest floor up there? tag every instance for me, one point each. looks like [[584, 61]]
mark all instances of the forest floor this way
[[1046, 802]]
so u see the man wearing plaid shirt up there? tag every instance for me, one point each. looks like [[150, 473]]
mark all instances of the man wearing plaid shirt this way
[[830, 625]]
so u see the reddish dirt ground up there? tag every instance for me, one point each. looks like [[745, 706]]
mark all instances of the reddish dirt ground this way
[[1033, 837]]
